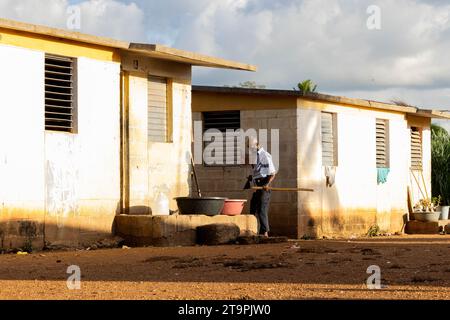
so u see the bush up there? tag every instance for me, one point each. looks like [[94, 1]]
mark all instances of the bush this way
[[440, 161]]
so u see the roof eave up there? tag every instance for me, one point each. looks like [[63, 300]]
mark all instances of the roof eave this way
[[193, 58], [150, 50], [63, 34], [376, 105], [435, 114]]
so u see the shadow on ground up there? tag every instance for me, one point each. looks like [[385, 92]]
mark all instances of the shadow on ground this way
[[421, 261]]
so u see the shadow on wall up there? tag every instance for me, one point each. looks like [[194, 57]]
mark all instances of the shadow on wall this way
[[36, 230], [29, 235], [319, 212]]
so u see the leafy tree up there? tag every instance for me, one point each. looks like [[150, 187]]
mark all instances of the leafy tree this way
[[440, 162], [251, 85], [306, 86]]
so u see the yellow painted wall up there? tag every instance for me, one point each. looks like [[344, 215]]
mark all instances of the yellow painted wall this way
[[210, 101]]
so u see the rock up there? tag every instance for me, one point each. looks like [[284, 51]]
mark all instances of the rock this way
[[217, 233], [109, 243], [59, 246]]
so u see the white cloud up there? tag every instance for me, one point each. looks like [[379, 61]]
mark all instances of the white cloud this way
[[101, 17], [290, 40]]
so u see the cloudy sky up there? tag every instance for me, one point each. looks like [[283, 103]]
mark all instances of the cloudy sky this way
[[289, 40]]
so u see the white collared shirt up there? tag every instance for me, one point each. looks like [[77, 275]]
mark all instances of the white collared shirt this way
[[264, 166]]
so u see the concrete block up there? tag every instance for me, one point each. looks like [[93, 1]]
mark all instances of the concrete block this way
[[176, 230], [419, 227]]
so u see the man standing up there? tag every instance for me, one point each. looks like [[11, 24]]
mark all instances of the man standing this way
[[263, 175]]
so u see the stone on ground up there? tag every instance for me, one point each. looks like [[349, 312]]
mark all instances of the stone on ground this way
[[217, 233]]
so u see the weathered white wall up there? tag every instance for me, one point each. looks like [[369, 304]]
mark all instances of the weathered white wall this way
[[356, 201], [418, 187], [170, 163], [83, 169], [158, 167], [22, 182], [72, 181]]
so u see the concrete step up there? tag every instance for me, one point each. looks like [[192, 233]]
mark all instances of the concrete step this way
[[419, 227], [176, 230]]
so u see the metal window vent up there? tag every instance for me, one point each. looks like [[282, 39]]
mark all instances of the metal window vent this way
[[157, 109], [59, 93], [382, 143], [328, 139], [223, 121], [416, 149]]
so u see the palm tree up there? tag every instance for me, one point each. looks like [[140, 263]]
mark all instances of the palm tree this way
[[307, 86]]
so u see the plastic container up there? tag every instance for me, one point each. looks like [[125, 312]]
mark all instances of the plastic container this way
[[427, 216], [444, 212], [162, 205], [233, 207], [200, 206]]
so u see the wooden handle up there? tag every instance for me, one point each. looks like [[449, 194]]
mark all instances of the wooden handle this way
[[284, 189], [199, 193]]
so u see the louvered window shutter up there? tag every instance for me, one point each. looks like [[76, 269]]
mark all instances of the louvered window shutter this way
[[416, 149], [223, 121], [59, 94], [328, 139], [157, 109], [382, 143]]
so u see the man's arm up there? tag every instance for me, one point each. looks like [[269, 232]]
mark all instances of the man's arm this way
[[272, 171], [271, 178]]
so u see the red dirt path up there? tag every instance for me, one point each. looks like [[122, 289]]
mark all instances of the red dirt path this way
[[412, 267]]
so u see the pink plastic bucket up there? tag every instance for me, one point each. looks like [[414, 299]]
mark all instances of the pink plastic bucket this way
[[233, 207]]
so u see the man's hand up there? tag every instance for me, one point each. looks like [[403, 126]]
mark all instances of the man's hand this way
[[267, 186]]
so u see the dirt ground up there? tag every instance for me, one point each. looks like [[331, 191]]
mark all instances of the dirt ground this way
[[412, 267]]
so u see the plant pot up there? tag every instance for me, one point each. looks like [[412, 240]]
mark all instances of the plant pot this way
[[233, 207], [200, 206], [444, 213], [427, 216]]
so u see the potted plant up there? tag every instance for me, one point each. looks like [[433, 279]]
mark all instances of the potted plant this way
[[444, 209], [425, 210]]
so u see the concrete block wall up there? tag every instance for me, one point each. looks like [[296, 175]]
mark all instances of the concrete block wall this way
[[356, 201], [228, 181]]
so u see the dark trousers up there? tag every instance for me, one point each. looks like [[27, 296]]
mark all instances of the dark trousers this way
[[259, 206]]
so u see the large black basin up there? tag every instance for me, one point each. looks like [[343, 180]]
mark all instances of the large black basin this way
[[201, 206]]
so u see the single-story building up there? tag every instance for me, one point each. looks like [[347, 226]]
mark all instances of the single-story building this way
[[90, 128], [360, 157]]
